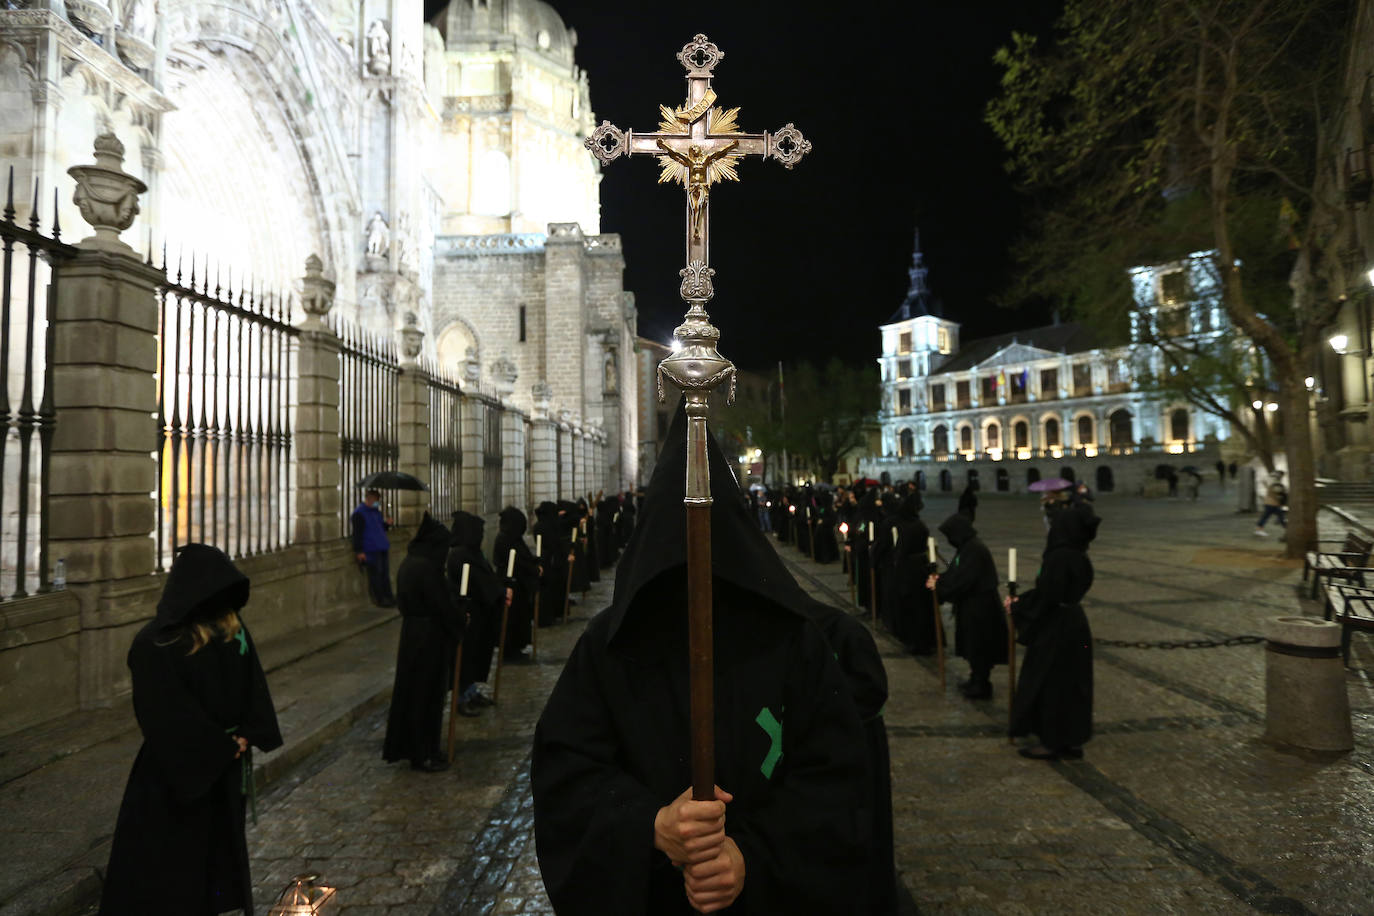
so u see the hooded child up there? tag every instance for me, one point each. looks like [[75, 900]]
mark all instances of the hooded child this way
[[970, 584], [431, 626], [789, 831], [1054, 694], [519, 619], [485, 598], [201, 700], [554, 549], [572, 523]]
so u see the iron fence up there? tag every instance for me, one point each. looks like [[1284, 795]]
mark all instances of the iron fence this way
[[25, 380], [491, 459], [445, 444], [369, 375], [225, 410]]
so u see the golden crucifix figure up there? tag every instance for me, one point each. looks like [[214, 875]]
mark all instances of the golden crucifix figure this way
[[698, 145], [697, 163]]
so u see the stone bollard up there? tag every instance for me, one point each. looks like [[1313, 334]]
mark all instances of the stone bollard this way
[[1304, 685]]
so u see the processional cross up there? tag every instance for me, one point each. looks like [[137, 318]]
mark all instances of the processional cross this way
[[698, 145]]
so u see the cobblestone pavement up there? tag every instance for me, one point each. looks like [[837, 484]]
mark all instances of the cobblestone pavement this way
[[1179, 806]]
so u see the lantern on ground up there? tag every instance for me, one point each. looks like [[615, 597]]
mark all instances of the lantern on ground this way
[[304, 896]]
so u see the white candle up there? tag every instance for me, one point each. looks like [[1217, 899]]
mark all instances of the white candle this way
[[510, 565], [808, 511], [539, 545], [870, 532], [1011, 564], [930, 548], [463, 586], [894, 537]]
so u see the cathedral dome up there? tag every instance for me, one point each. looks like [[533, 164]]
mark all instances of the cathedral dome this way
[[533, 23]]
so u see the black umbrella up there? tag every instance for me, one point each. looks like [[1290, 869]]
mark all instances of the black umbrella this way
[[391, 480]]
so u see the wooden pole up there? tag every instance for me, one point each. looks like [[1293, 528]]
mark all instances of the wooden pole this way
[[700, 652], [453, 703], [939, 635]]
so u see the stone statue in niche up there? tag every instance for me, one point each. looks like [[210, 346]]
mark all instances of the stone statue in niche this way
[[378, 236], [608, 385], [407, 252], [378, 49], [138, 18]]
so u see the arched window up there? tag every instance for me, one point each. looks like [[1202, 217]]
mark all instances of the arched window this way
[[1003, 480], [966, 438], [1105, 482], [906, 445], [993, 436], [1032, 476], [1119, 427], [1052, 433], [1085, 431], [1178, 425], [920, 480], [1021, 434], [946, 482], [939, 440]]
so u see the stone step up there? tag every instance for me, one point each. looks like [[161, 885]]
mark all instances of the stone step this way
[[63, 781]]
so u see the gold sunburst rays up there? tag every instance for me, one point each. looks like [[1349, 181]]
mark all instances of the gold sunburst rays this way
[[720, 122]]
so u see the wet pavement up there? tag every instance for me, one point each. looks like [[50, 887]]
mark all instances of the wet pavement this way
[[1178, 806]]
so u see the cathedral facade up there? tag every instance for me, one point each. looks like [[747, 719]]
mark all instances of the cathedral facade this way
[[436, 167]]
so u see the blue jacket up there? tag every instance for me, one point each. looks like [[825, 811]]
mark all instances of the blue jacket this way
[[369, 530]]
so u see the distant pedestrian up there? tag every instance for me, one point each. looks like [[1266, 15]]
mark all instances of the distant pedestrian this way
[[1054, 695], [372, 547], [1231, 470], [968, 500], [1221, 473], [431, 626], [1194, 484], [970, 584], [201, 700], [1275, 498]]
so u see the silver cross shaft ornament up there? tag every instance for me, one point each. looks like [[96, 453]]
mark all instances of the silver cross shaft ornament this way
[[697, 146]]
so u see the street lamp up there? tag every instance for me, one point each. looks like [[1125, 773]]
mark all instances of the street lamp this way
[[1257, 405], [1339, 342]]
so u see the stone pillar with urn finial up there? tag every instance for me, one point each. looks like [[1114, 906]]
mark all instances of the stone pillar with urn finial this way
[[103, 469], [413, 425], [316, 436]]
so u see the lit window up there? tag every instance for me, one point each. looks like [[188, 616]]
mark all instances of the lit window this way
[[904, 342], [944, 340]]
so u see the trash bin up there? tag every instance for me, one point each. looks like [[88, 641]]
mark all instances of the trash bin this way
[[1305, 702]]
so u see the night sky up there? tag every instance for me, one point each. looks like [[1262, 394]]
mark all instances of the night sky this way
[[809, 262]]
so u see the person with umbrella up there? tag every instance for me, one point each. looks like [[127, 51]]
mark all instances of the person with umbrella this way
[[372, 547]]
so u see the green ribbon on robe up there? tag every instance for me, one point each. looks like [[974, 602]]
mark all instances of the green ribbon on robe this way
[[766, 721]]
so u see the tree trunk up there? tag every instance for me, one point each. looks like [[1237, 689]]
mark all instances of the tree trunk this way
[[1302, 474]]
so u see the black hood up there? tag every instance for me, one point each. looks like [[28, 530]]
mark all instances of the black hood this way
[[512, 523], [203, 582], [910, 506], [430, 541], [546, 511], [958, 529], [467, 530], [1073, 527], [740, 553]]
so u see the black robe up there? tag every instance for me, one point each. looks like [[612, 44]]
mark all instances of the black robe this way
[[581, 579], [431, 625], [551, 536], [607, 545], [858, 656], [1054, 695], [485, 598], [870, 510], [826, 549], [611, 747], [970, 584], [520, 618], [179, 846], [914, 614], [968, 502], [625, 525], [592, 541]]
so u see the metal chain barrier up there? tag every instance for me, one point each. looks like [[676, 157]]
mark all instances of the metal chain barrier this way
[[1181, 644]]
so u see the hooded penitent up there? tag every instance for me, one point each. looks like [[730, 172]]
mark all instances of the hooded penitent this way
[[431, 626], [970, 584], [511, 536], [180, 833], [612, 744], [607, 517], [551, 536], [1054, 696], [914, 618], [485, 594]]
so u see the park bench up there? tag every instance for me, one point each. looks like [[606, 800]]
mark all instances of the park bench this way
[[1352, 607], [1350, 563]]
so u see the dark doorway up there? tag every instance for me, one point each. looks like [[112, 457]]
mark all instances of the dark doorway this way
[[973, 479], [1032, 476], [1105, 484], [946, 483], [1003, 480], [1066, 472], [886, 478], [920, 480]]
